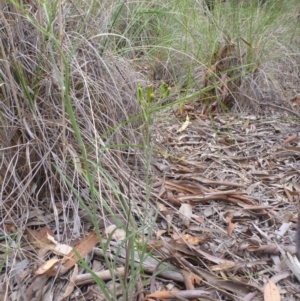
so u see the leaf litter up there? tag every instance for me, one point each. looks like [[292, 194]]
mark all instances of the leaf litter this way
[[227, 203], [227, 219], [247, 175]]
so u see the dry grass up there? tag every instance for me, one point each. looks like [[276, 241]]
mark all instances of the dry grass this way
[[66, 109], [72, 133]]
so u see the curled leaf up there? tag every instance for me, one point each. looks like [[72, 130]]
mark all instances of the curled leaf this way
[[185, 124]]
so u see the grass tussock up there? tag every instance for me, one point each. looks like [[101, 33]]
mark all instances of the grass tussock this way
[[61, 103], [70, 122]]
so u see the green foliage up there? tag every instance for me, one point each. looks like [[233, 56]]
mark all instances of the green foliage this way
[[147, 96]]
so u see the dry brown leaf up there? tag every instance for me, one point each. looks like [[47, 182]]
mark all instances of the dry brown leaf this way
[[154, 244], [71, 284], [178, 248], [83, 248], [231, 225], [39, 237], [185, 214], [288, 194], [182, 168], [162, 191], [167, 213], [169, 218], [184, 125], [51, 238], [175, 235], [177, 295], [296, 101], [61, 249], [195, 279], [270, 248], [290, 139], [36, 286], [44, 250], [159, 233], [223, 266], [187, 238], [117, 233], [161, 295], [183, 187], [271, 292], [10, 227], [205, 180], [215, 259], [190, 279], [57, 248], [198, 218], [235, 286], [171, 199], [161, 207], [47, 266]]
